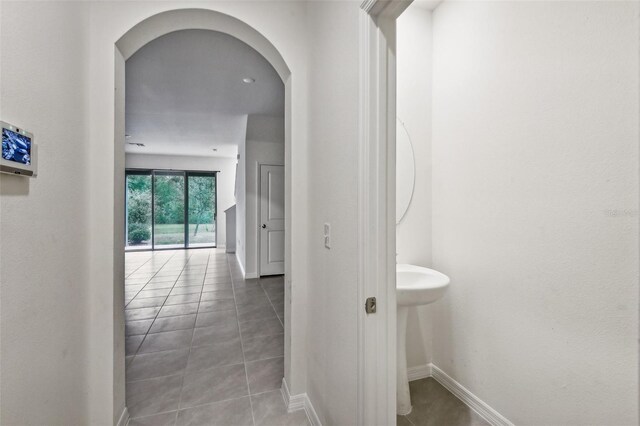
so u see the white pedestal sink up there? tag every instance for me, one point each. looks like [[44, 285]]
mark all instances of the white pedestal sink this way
[[415, 286]]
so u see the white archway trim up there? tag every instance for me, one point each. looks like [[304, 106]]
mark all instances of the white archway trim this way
[[202, 19]]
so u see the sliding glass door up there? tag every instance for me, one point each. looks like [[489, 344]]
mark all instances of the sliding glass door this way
[[139, 211], [168, 209], [202, 210]]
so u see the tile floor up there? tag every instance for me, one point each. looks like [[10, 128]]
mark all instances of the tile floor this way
[[203, 346], [433, 405]]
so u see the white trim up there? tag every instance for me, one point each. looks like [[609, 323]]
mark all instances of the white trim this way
[[376, 211], [311, 412], [124, 417], [299, 402], [200, 18], [376, 353], [293, 403], [483, 409], [419, 372], [245, 275], [240, 263], [259, 216]]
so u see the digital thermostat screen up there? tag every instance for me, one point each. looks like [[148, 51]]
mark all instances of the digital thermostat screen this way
[[16, 147]]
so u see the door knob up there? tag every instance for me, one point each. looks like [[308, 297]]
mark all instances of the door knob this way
[[264, 225]]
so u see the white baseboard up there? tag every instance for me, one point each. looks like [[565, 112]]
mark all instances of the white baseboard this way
[[293, 403], [245, 275], [302, 402], [299, 402], [463, 394], [124, 418], [311, 412], [419, 372], [240, 263]]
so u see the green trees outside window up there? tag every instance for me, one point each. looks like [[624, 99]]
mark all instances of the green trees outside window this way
[[183, 213], [139, 210], [202, 210]]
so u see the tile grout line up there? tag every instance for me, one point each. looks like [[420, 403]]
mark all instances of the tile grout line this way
[[244, 361], [224, 263], [273, 307], [207, 403], [135, 270], [175, 422], [154, 318], [161, 306], [158, 313], [145, 285], [224, 365]]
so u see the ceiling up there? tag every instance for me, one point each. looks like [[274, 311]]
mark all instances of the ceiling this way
[[426, 4], [185, 94]]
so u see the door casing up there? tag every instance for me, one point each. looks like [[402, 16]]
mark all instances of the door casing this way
[[376, 211], [260, 220]]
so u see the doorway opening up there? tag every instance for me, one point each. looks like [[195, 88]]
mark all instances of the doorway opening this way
[[203, 331], [170, 209], [271, 246]]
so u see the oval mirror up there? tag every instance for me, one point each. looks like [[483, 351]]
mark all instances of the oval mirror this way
[[405, 170]]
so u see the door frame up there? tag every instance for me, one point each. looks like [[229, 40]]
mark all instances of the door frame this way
[[259, 208], [141, 32], [376, 210]]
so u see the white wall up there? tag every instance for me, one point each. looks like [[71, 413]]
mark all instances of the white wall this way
[[66, 353], [333, 176], [413, 234], [264, 145], [44, 272], [535, 139], [241, 205], [225, 178]]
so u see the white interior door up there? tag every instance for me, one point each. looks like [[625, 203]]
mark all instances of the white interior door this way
[[271, 220]]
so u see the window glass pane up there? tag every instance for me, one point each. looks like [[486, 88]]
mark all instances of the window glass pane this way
[[138, 214], [168, 228], [202, 213]]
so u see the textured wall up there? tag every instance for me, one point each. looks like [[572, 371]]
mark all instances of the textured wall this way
[[535, 139], [43, 221], [333, 132], [413, 234]]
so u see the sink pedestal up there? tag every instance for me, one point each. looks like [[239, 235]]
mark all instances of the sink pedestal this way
[[403, 406], [415, 286]]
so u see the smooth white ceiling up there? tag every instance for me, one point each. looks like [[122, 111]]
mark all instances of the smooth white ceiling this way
[[185, 94], [427, 4]]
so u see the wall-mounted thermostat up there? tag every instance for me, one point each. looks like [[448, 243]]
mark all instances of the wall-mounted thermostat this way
[[19, 152]]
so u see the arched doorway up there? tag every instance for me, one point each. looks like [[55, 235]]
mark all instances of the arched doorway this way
[[134, 39]]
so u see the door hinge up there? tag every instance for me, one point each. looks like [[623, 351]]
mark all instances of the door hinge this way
[[370, 305]]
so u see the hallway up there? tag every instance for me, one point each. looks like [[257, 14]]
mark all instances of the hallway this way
[[203, 345]]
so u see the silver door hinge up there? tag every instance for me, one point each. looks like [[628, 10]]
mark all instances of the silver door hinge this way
[[370, 305]]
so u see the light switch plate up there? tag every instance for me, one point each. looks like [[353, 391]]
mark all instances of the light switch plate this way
[[327, 235]]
